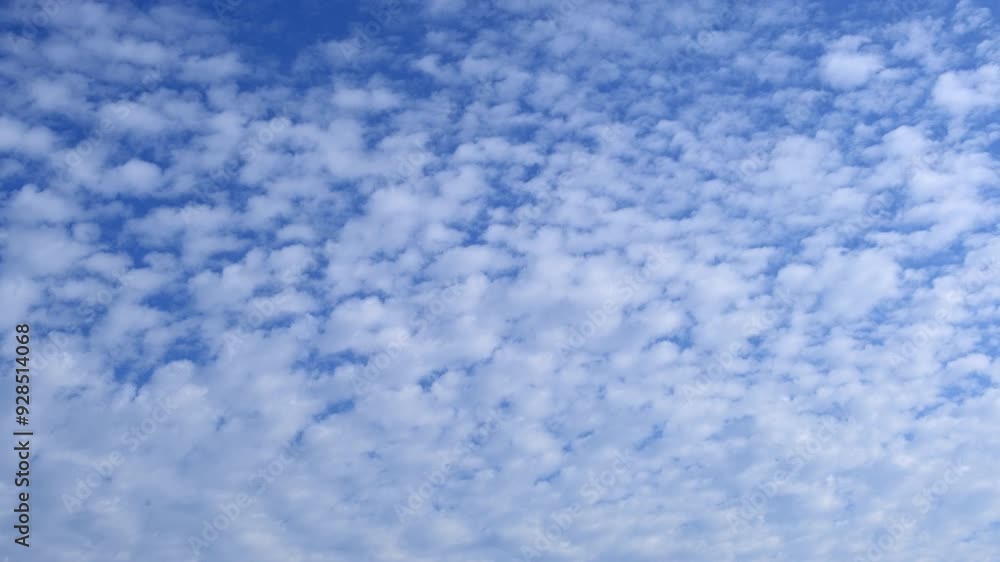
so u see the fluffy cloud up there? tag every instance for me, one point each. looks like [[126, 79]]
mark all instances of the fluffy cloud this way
[[961, 92], [501, 281], [845, 67]]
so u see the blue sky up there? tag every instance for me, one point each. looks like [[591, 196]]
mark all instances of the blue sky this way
[[550, 280]]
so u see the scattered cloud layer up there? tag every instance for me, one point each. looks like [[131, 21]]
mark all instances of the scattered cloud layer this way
[[456, 281]]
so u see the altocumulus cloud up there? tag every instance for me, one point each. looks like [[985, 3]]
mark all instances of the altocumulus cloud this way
[[666, 240]]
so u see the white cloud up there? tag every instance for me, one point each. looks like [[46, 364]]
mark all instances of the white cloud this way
[[964, 91], [846, 70], [688, 233]]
